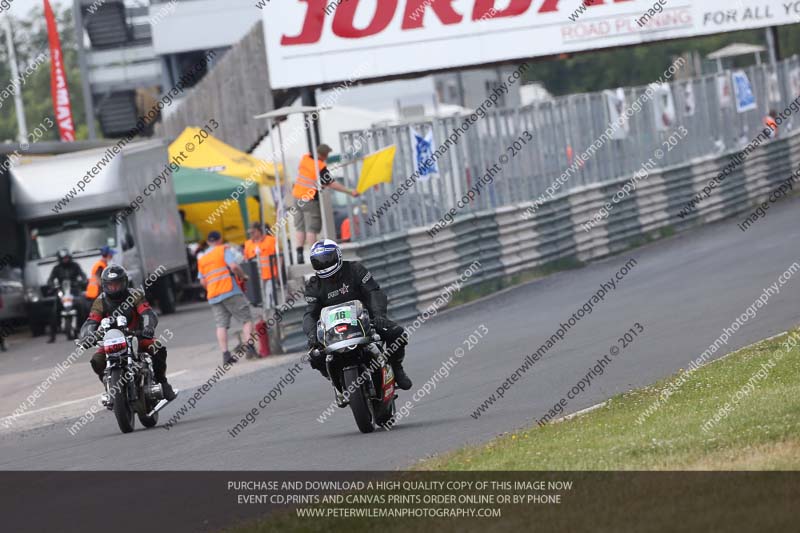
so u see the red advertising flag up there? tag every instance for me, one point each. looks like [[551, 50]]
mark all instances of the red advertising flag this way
[[58, 79]]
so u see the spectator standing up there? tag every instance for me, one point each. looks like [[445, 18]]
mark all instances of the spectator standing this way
[[261, 247], [218, 268]]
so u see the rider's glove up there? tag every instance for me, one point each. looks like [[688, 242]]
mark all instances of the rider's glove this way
[[317, 360], [380, 322], [148, 333], [313, 342], [86, 342]]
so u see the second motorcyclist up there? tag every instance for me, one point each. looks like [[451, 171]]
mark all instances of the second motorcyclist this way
[[65, 270], [134, 307]]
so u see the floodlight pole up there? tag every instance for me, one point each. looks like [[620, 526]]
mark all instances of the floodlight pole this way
[[22, 127]]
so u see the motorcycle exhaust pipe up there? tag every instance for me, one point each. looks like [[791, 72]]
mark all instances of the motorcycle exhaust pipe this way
[[162, 403], [158, 392], [159, 406]]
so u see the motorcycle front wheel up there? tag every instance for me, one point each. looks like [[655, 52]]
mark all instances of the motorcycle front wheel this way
[[123, 410], [359, 402]]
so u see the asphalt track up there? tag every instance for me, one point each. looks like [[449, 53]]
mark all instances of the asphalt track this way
[[684, 291]]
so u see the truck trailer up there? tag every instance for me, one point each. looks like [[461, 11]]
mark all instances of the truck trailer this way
[[117, 196]]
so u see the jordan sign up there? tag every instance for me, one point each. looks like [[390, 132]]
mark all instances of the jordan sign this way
[[315, 42]]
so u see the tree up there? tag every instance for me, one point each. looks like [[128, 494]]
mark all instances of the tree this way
[[30, 37], [640, 65]]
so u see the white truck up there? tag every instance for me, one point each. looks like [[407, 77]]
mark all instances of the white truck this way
[[120, 196]]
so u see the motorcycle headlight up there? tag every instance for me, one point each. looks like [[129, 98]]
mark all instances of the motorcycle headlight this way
[[114, 346], [32, 295], [364, 319]]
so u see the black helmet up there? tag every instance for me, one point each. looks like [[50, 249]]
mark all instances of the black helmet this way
[[326, 258], [64, 253], [114, 281]]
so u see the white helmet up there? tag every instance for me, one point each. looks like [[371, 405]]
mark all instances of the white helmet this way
[[326, 258]]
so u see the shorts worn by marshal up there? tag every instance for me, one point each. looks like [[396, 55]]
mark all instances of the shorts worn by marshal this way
[[352, 282], [236, 306], [307, 217]]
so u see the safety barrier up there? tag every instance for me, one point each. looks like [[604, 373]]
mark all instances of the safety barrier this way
[[414, 268], [572, 140]]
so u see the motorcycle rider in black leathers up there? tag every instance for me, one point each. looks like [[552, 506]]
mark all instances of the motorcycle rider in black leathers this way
[[338, 281], [140, 316], [65, 269]]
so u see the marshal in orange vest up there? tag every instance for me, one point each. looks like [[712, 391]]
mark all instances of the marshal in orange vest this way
[[266, 250], [305, 187], [772, 124], [215, 272], [93, 288]]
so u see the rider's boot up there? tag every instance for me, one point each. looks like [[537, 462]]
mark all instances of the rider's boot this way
[[166, 388], [396, 354], [400, 377], [169, 393]]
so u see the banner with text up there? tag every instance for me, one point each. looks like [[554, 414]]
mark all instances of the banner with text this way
[[315, 42]]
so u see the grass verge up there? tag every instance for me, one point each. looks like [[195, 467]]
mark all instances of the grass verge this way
[[738, 413], [759, 431]]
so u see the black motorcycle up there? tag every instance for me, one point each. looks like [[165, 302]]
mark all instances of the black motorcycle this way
[[129, 378], [357, 364]]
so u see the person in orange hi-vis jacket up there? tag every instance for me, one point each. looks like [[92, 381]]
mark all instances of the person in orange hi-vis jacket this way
[[307, 215], [218, 268], [261, 246], [93, 287], [771, 123]]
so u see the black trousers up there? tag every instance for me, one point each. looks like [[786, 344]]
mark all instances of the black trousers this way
[[55, 317], [159, 356], [395, 341]]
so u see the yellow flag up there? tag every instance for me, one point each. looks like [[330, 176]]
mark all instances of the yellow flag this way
[[377, 168]]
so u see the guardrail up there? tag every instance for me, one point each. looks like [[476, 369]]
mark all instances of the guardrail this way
[[413, 268]]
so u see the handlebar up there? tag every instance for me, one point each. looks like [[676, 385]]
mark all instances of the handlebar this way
[[95, 337]]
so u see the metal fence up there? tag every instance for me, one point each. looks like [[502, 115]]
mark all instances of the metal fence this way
[[570, 123]]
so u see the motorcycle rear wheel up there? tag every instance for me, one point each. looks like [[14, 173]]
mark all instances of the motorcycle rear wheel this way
[[123, 410], [359, 403]]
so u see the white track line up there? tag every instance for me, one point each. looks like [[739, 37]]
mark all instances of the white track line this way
[[579, 413], [79, 400]]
